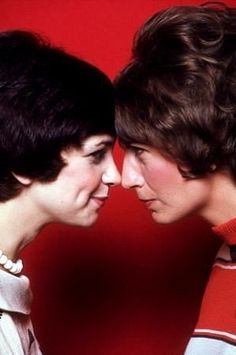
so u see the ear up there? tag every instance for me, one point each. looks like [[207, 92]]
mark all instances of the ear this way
[[22, 179], [66, 153]]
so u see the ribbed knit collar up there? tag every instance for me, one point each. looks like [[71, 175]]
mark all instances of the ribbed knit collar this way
[[227, 231], [15, 293]]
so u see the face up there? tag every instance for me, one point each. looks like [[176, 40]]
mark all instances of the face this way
[[159, 184], [82, 186]]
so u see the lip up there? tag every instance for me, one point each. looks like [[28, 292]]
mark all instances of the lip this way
[[100, 200], [148, 203]]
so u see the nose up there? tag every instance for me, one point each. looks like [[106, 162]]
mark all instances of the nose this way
[[131, 176], [111, 175]]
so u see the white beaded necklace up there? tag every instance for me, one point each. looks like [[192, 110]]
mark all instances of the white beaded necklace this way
[[9, 265]]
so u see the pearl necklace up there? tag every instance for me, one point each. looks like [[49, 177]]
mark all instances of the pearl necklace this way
[[9, 265]]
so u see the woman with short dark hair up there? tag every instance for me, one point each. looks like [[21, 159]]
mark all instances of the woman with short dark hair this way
[[56, 163]]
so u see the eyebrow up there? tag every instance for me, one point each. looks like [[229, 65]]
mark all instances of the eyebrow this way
[[107, 142], [131, 145]]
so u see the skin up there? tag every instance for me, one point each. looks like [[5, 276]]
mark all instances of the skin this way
[[82, 186], [169, 196], [75, 197]]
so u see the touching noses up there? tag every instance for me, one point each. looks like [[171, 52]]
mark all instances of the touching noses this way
[[111, 175], [131, 176]]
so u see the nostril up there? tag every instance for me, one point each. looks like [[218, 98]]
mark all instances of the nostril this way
[[125, 184]]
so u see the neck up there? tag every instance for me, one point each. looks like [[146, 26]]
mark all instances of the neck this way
[[221, 205], [19, 224]]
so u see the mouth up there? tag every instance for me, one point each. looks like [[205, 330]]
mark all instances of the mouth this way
[[148, 203], [100, 200]]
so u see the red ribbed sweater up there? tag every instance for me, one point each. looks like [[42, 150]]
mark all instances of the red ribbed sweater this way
[[215, 332]]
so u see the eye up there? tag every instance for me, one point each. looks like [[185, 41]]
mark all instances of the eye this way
[[138, 152], [98, 156]]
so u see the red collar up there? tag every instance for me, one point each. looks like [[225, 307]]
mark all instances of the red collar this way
[[227, 231]]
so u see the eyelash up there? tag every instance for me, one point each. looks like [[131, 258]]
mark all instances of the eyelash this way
[[98, 156], [138, 152]]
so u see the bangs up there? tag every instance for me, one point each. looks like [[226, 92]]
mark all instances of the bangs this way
[[131, 129]]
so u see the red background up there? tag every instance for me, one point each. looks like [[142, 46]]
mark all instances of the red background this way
[[126, 286]]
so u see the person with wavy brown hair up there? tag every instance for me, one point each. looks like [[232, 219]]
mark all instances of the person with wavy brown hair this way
[[176, 119]]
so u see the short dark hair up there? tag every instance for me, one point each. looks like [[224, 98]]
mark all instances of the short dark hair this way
[[178, 93], [49, 101]]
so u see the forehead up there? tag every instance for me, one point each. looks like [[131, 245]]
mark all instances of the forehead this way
[[97, 141]]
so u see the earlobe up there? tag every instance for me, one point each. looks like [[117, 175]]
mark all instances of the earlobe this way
[[213, 168], [23, 179], [66, 153]]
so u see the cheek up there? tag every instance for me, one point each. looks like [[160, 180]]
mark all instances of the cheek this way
[[92, 181], [163, 174], [82, 181]]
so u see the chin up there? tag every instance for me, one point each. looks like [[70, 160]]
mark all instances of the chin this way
[[87, 222], [163, 219]]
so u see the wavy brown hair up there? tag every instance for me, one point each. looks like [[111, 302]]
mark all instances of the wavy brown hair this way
[[178, 93]]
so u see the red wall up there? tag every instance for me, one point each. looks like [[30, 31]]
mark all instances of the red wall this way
[[126, 286]]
